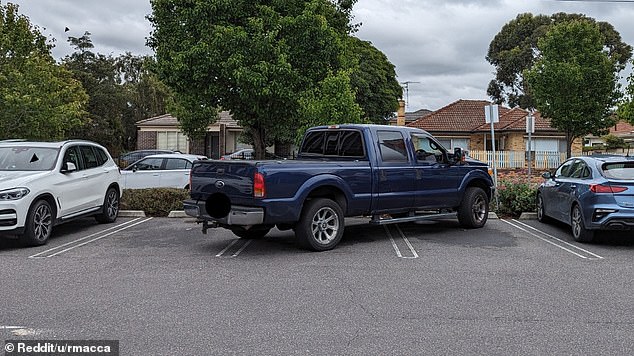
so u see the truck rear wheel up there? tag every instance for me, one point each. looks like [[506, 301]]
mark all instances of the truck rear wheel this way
[[474, 209], [320, 226]]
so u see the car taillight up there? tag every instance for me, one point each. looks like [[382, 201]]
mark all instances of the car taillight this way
[[598, 188], [258, 185]]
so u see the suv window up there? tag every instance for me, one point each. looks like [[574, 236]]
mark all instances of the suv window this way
[[392, 146], [149, 164], [102, 156], [89, 156], [72, 155]]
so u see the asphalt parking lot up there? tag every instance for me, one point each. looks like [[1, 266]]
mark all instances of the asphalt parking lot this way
[[161, 287]]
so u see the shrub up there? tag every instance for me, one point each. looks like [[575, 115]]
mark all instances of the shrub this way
[[516, 193], [154, 201]]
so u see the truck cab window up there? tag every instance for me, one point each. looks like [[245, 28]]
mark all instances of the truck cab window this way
[[392, 146], [427, 150]]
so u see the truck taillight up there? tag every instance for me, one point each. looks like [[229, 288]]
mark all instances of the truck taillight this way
[[258, 185]]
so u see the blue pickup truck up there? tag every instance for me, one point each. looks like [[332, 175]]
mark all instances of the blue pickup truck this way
[[390, 174]]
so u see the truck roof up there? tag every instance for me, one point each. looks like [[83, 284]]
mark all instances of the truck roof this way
[[372, 127]]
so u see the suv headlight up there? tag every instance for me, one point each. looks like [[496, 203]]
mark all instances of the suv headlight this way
[[14, 194]]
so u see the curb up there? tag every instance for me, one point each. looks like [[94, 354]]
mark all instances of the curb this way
[[177, 214], [131, 213], [493, 215], [528, 216]]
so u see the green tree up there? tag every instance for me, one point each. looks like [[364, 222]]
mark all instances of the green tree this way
[[39, 100], [107, 102], [613, 142], [515, 49], [145, 95], [374, 81], [254, 58], [625, 109], [574, 82]]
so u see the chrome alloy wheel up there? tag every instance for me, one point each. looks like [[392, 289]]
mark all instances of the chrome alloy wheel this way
[[325, 225], [42, 222]]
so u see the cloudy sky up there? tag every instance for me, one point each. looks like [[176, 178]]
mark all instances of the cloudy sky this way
[[437, 46]]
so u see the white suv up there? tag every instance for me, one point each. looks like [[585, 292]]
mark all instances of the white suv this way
[[43, 184]]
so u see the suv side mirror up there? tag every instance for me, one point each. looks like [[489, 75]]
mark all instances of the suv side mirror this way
[[68, 167]]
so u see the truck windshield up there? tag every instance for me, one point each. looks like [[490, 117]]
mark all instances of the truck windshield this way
[[26, 158]]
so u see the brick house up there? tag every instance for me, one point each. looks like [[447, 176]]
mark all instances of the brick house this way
[[163, 132], [462, 124]]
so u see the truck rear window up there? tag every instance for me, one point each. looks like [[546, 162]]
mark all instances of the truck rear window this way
[[618, 170], [341, 143]]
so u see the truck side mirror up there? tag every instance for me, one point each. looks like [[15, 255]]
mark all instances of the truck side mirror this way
[[458, 154]]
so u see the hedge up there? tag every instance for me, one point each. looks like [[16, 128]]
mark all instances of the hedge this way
[[154, 201]]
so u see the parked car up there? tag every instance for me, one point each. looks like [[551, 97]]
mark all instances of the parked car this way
[[133, 156], [247, 153], [43, 184], [589, 193], [159, 171]]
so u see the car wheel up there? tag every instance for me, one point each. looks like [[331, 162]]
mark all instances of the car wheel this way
[[255, 232], [39, 224], [474, 209], [579, 232], [320, 226], [541, 213], [110, 208]]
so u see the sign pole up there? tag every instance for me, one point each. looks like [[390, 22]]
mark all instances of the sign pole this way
[[530, 128]]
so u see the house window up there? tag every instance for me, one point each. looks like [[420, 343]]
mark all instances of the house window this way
[[172, 140], [451, 143], [547, 145]]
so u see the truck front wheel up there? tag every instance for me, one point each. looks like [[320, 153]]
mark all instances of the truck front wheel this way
[[320, 225], [474, 209]]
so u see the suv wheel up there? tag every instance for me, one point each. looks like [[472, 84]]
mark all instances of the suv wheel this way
[[39, 224], [110, 208]]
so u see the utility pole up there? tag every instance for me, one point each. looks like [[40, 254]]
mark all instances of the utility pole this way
[[406, 86]]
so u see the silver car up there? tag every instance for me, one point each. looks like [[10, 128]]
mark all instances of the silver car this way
[[159, 171]]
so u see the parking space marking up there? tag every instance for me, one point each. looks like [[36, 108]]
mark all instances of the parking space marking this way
[[240, 248], [119, 228], [395, 245], [559, 243]]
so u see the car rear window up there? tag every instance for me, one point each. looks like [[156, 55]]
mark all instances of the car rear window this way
[[618, 170]]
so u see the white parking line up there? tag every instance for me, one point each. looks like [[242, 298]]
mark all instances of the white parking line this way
[[395, 245], [240, 249], [518, 225], [126, 225]]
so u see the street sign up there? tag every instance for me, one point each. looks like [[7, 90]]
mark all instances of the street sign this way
[[530, 124], [491, 114]]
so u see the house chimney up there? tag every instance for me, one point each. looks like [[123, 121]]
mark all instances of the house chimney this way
[[400, 119]]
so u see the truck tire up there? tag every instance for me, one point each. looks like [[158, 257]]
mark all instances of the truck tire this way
[[320, 225], [255, 232], [474, 209], [38, 225]]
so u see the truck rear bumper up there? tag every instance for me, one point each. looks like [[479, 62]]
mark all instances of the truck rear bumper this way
[[238, 215]]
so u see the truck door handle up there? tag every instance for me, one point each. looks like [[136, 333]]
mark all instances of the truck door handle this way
[[382, 176]]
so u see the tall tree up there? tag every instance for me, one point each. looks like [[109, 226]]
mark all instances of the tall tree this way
[[625, 109], [574, 81], [38, 99], [107, 103], [374, 81], [254, 58], [515, 49], [145, 95]]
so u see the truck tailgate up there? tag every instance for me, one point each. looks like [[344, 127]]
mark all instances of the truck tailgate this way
[[233, 178]]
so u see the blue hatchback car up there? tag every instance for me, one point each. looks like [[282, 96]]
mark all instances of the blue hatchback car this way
[[589, 193]]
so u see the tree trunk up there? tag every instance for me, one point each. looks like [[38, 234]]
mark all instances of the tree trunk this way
[[259, 145], [569, 139]]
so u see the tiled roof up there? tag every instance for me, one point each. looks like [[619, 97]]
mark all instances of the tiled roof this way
[[622, 128], [459, 116], [468, 116], [169, 120]]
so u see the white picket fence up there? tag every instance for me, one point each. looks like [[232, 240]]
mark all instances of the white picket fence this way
[[518, 159]]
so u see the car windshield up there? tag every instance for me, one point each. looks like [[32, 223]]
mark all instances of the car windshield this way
[[25, 158], [619, 170]]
